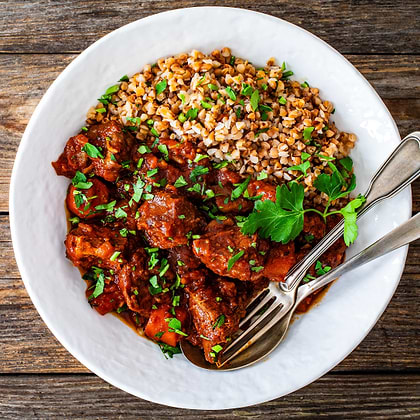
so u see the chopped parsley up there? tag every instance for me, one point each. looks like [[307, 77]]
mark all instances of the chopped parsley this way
[[169, 351], [161, 86], [303, 167], [164, 150], [191, 114], [206, 105], [219, 321], [282, 100], [108, 206], [92, 151], [262, 175], [80, 181], [239, 190], [120, 213], [198, 171], [143, 149], [180, 182], [231, 93], [307, 132], [255, 99], [235, 258]]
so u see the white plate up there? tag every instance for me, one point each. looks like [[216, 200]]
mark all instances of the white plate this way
[[317, 341]]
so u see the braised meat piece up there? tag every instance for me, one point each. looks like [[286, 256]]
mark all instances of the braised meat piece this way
[[227, 205], [108, 301], [89, 245], [155, 170], [181, 153], [169, 220], [281, 259], [216, 306], [73, 157], [183, 260], [314, 226], [133, 280], [116, 148], [264, 189], [109, 148], [231, 253]]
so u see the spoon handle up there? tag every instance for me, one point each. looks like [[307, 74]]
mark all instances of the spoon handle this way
[[397, 172], [400, 236]]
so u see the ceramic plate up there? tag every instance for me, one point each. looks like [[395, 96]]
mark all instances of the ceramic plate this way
[[317, 341]]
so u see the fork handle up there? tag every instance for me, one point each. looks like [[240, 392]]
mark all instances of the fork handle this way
[[400, 236], [397, 172]]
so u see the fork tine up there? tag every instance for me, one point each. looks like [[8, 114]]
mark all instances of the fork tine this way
[[260, 305], [247, 334], [272, 317]]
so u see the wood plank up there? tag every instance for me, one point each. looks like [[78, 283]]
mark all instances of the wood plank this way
[[396, 78], [62, 26], [336, 396], [28, 346]]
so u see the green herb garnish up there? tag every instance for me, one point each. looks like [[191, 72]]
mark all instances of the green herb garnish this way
[[92, 151], [161, 86], [235, 258]]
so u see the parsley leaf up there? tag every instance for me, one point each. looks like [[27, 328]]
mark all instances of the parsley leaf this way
[[197, 171], [333, 184], [80, 181], [349, 213], [235, 258], [92, 151], [255, 99], [231, 93], [169, 351], [303, 167], [282, 220], [239, 190], [180, 182], [161, 86], [219, 321], [307, 132], [347, 163]]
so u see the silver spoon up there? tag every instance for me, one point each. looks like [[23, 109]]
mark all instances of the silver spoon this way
[[399, 170]]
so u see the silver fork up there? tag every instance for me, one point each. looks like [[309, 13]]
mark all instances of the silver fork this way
[[398, 171]]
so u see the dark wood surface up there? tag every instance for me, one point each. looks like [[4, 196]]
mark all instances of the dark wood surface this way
[[39, 378]]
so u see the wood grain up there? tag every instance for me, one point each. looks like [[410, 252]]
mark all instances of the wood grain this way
[[333, 396], [362, 26], [38, 378], [396, 79]]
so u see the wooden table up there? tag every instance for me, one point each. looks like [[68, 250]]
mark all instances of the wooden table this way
[[38, 377]]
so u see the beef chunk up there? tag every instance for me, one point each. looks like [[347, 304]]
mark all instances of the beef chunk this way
[[73, 158], [183, 260], [281, 259], [116, 148], [168, 220], [109, 300], [133, 280], [265, 189], [89, 245], [216, 307], [216, 249], [314, 225]]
